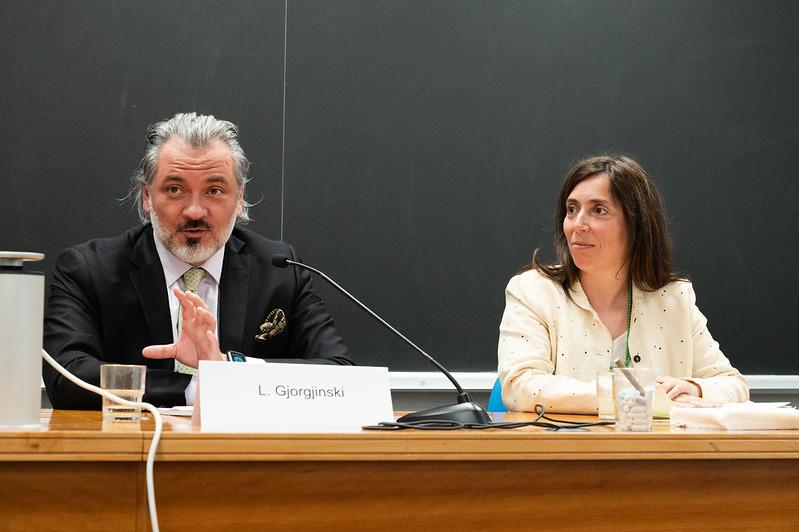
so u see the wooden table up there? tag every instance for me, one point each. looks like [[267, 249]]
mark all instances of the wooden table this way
[[74, 475]]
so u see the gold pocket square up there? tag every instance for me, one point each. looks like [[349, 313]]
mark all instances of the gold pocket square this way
[[274, 324]]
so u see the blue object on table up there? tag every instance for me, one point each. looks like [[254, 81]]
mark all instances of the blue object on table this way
[[495, 403]]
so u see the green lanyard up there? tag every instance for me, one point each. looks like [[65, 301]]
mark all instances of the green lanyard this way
[[627, 357]]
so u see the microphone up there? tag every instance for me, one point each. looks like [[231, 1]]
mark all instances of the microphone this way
[[464, 411]]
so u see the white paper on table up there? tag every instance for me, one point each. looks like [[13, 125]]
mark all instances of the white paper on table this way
[[182, 411], [737, 416]]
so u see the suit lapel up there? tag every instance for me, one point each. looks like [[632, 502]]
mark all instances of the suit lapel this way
[[234, 287], [150, 286]]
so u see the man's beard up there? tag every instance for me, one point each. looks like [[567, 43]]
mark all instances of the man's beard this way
[[192, 252]]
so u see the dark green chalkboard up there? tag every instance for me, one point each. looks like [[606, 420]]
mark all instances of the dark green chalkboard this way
[[424, 142]]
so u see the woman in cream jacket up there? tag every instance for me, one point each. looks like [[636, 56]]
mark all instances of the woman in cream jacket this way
[[565, 323]]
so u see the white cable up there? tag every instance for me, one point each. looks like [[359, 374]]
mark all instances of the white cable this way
[[147, 406]]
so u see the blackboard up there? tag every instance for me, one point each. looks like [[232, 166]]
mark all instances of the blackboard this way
[[414, 149]]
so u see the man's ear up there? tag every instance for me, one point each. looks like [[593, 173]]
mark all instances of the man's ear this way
[[145, 198], [240, 208]]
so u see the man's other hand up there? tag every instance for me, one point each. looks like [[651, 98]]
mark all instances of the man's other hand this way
[[197, 339]]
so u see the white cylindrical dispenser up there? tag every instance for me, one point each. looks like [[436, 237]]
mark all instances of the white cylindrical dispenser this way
[[21, 315]]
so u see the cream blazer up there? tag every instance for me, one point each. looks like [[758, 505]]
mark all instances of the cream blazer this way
[[551, 347]]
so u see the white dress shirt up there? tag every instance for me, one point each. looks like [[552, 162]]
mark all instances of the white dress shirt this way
[[174, 268]]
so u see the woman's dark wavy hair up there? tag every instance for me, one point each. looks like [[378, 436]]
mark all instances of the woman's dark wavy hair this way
[[650, 244]]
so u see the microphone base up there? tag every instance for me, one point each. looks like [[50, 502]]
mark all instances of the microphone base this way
[[467, 413]]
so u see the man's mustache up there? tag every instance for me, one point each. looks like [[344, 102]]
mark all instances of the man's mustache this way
[[194, 224]]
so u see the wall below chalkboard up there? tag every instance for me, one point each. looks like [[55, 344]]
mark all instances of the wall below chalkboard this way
[[413, 150], [419, 390]]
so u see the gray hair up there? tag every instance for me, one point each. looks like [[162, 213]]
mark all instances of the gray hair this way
[[198, 131]]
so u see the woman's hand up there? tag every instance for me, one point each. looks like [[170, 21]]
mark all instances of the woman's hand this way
[[693, 401], [675, 388]]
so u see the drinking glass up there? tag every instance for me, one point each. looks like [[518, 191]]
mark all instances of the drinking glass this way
[[125, 381], [604, 396]]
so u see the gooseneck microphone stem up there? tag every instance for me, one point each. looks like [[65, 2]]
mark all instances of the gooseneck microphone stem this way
[[369, 311], [465, 412]]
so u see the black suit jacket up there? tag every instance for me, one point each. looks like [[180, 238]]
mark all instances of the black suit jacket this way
[[108, 301]]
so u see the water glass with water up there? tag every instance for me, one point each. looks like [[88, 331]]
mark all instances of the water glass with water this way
[[606, 409], [125, 381]]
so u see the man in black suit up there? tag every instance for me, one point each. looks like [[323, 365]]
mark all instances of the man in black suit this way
[[155, 294]]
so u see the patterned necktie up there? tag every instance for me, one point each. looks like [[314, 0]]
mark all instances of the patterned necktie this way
[[191, 281]]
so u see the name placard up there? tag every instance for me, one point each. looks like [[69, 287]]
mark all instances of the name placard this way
[[258, 397]]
